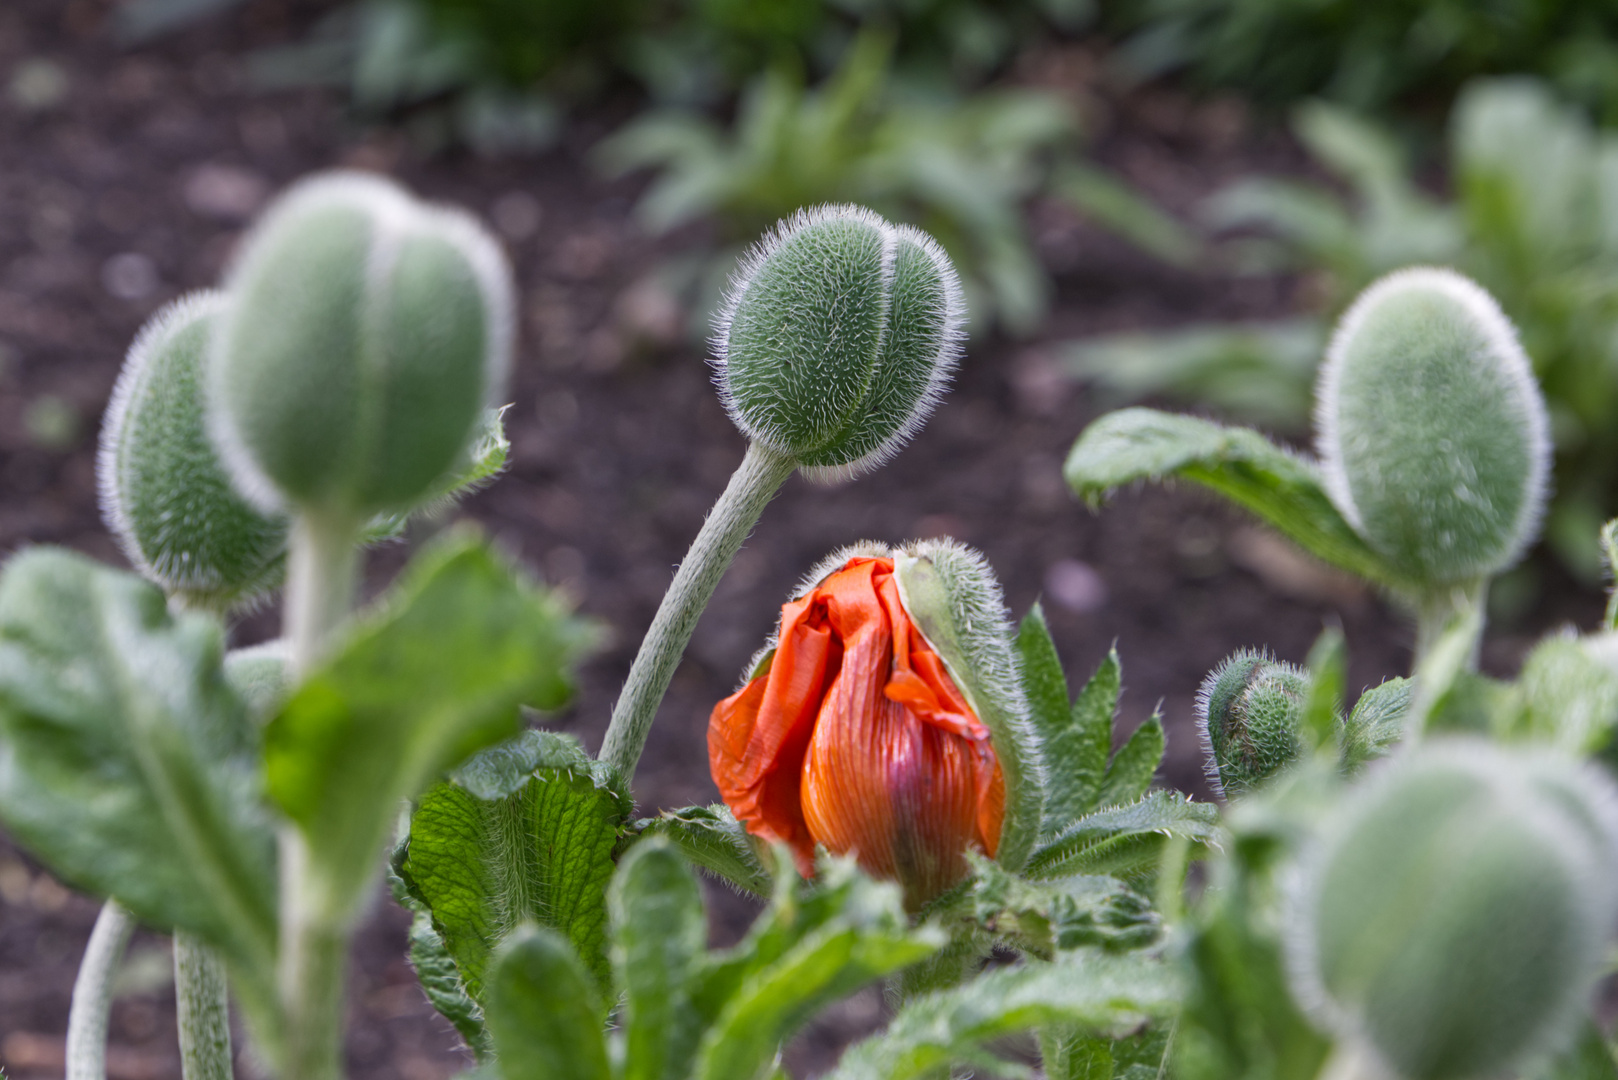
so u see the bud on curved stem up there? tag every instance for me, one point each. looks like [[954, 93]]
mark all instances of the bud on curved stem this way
[[834, 344], [1250, 717], [837, 338], [366, 333], [1432, 430], [164, 492], [1455, 917]]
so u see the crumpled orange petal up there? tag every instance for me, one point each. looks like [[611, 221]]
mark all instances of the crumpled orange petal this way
[[857, 738]]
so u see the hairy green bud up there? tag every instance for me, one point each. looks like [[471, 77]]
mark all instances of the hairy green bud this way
[[1249, 716], [837, 337], [164, 492], [366, 333], [1432, 430], [1455, 917]]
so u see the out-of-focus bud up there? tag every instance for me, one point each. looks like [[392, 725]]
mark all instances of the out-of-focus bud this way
[[866, 732], [1432, 430], [837, 338], [1454, 918], [164, 492], [366, 333], [1249, 715]]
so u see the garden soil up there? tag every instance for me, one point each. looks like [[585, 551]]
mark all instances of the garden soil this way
[[126, 177]]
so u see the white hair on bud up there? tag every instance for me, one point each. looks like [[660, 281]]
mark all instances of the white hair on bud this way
[[826, 567], [952, 320], [1515, 365], [1522, 786], [1203, 705], [159, 330]]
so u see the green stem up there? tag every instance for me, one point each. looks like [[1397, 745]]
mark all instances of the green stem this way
[[92, 994], [202, 1002], [1438, 608], [322, 571], [751, 487]]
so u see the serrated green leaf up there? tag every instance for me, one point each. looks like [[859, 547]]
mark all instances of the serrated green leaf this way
[[1134, 765], [1283, 489], [1097, 992], [441, 982], [1328, 663], [1069, 913], [432, 676], [1076, 753], [1124, 840], [659, 933], [1377, 722], [1042, 678], [828, 964], [127, 763], [523, 832], [1569, 694], [712, 838], [544, 1015], [1068, 1054]]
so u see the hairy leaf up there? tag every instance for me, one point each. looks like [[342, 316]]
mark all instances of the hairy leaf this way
[[127, 762], [545, 1016], [1077, 738], [659, 934], [1134, 765], [435, 674], [1070, 913], [711, 837], [1283, 489], [441, 982], [1124, 840], [524, 832], [1097, 992]]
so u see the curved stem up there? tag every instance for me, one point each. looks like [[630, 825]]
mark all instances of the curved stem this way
[[202, 1003], [751, 487], [322, 572], [92, 993], [1441, 609]]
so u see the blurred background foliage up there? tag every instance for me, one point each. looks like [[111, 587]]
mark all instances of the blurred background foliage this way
[[750, 110]]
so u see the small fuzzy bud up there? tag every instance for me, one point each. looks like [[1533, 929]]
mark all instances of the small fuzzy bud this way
[[1455, 917], [837, 337], [1249, 715], [366, 333], [1432, 429], [164, 492]]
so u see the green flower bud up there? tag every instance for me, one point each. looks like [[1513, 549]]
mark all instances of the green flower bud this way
[[1455, 918], [366, 333], [1432, 428], [837, 337], [1249, 716], [164, 492]]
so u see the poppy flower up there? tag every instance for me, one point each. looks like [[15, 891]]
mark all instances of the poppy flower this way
[[853, 735]]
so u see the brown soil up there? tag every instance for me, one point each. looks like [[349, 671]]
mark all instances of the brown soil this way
[[133, 188]]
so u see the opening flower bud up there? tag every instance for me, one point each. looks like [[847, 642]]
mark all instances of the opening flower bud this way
[[1455, 919], [366, 333], [837, 337], [1249, 713], [853, 733], [164, 492], [1432, 428]]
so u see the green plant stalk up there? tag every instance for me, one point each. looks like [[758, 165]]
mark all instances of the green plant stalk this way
[[92, 993], [1437, 607], [751, 487], [202, 1005], [322, 572]]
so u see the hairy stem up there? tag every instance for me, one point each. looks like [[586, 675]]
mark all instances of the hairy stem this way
[[322, 569], [202, 1003], [1438, 608], [92, 994], [751, 487]]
